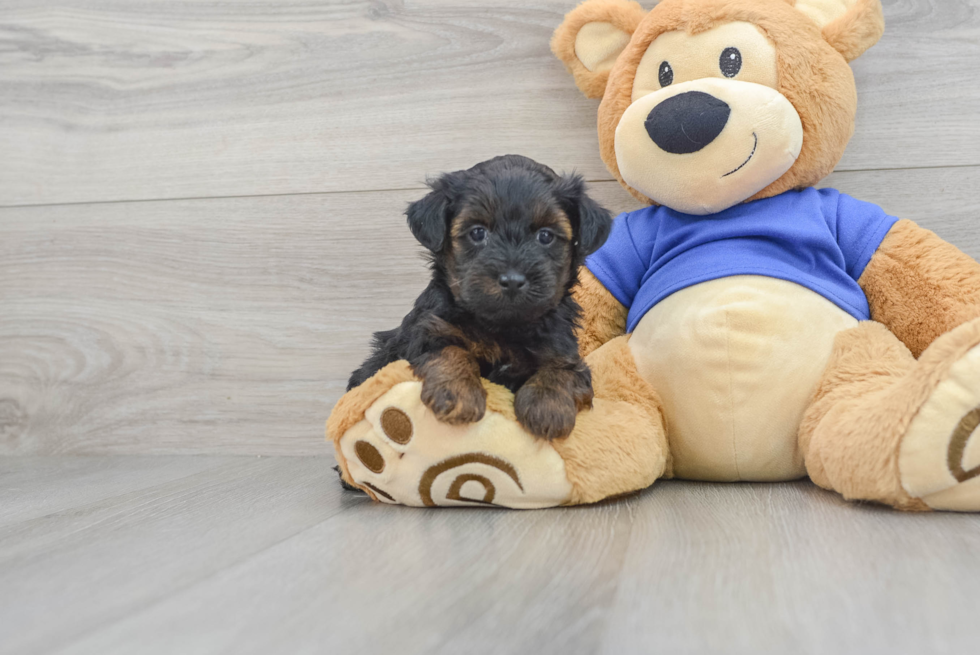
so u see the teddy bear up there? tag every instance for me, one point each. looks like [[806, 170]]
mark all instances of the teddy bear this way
[[743, 325]]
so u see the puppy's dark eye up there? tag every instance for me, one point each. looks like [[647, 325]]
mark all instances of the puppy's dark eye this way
[[666, 74], [731, 62], [478, 234], [545, 237]]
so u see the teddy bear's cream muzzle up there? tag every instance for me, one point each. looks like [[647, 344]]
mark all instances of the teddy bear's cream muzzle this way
[[702, 146]]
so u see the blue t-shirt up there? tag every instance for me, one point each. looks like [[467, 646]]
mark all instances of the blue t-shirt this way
[[819, 239]]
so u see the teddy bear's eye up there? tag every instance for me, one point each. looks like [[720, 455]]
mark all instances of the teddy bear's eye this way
[[666, 74], [731, 62]]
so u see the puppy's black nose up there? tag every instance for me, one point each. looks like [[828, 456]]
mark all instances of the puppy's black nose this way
[[512, 281], [687, 122]]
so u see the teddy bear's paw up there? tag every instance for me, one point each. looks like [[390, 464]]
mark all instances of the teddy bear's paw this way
[[939, 458], [402, 454]]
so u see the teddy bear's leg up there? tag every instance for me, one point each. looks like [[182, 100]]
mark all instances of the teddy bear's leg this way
[[620, 445], [886, 427], [390, 445]]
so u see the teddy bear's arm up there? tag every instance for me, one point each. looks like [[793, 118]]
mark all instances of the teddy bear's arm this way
[[603, 317], [920, 286]]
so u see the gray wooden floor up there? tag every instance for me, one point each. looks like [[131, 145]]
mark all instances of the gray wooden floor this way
[[180, 554], [200, 225]]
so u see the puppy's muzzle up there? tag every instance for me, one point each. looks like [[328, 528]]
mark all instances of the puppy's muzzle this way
[[687, 122]]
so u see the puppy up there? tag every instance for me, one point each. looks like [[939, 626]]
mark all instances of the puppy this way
[[506, 239]]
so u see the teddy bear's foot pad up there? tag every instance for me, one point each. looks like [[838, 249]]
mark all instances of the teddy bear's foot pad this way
[[939, 458], [401, 454]]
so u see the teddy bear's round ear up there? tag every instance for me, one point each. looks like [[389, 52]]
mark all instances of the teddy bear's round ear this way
[[591, 38], [849, 26]]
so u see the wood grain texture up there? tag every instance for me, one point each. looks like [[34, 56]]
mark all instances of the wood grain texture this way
[[793, 569], [113, 100], [228, 325], [264, 555], [158, 327], [231, 325], [72, 570], [32, 487]]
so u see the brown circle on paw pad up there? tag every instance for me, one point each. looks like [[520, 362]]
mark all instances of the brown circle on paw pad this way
[[369, 456], [957, 446], [457, 486], [396, 425], [433, 472]]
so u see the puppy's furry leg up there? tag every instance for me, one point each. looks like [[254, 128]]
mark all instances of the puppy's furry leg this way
[[451, 385], [550, 400]]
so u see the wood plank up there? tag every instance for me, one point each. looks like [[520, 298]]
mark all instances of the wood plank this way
[[683, 567], [375, 579], [178, 326], [32, 487], [230, 325], [792, 569], [72, 571], [114, 100]]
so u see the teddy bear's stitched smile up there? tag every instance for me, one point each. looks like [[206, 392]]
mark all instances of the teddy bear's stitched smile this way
[[755, 146]]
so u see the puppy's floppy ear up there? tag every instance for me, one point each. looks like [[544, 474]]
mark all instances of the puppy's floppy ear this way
[[428, 218], [591, 221], [591, 37]]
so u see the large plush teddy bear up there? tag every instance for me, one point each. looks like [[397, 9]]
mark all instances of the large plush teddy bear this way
[[744, 326]]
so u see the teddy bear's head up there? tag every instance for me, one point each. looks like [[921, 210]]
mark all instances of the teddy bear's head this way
[[709, 103]]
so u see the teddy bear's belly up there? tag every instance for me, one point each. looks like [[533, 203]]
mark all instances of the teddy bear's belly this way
[[736, 361]]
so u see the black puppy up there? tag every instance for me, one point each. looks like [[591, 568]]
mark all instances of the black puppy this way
[[506, 238]]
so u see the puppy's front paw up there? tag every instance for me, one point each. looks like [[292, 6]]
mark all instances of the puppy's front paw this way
[[457, 401], [545, 412]]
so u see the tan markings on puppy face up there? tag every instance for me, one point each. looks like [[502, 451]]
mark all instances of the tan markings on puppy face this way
[[707, 127], [466, 220], [563, 226], [458, 227], [486, 286], [554, 219], [557, 221]]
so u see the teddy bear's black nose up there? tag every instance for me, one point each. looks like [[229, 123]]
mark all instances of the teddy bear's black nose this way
[[687, 122]]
